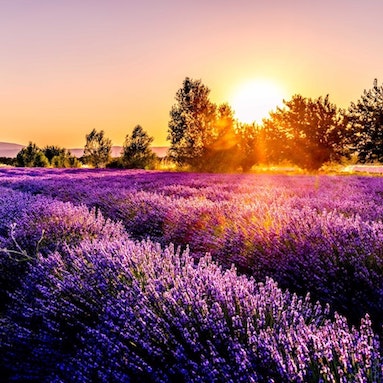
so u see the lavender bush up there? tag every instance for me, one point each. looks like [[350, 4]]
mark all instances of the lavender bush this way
[[36, 224], [81, 301], [317, 234], [121, 311]]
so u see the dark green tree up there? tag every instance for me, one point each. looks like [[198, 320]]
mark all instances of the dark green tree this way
[[31, 156], [97, 151], [190, 129], [137, 153], [308, 132], [65, 161], [60, 157], [365, 124], [51, 151]]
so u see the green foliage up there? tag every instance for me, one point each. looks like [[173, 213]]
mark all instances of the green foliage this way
[[365, 124], [202, 135], [65, 161], [60, 157], [31, 156], [308, 132], [54, 156], [51, 151], [97, 149], [137, 153], [191, 124]]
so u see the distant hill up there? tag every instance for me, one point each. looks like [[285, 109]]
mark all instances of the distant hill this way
[[161, 151], [10, 150]]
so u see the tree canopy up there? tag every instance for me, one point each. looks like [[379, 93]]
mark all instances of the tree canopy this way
[[251, 145], [365, 125], [308, 132], [136, 152], [202, 135], [97, 151], [191, 123], [53, 156], [60, 157], [31, 156]]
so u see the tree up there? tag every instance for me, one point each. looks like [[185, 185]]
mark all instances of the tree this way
[[51, 151], [65, 161], [97, 149], [137, 153], [191, 124], [60, 157], [8, 161], [365, 124], [221, 149], [31, 156], [307, 132], [251, 145]]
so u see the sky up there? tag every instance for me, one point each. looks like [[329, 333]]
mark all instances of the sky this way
[[70, 66]]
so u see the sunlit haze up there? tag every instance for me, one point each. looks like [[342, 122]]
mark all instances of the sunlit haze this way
[[253, 100], [70, 66]]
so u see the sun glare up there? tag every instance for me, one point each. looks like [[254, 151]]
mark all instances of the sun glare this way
[[253, 100]]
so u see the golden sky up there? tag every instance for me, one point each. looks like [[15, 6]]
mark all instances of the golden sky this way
[[68, 66]]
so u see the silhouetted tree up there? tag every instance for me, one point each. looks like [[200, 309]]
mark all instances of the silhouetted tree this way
[[221, 152], [97, 149], [365, 123], [51, 151], [31, 156], [115, 163], [137, 153], [202, 134], [191, 124], [8, 161], [251, 145], [305, 131]]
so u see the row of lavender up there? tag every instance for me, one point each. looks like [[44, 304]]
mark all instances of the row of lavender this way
[[316, 234], [82, 302]]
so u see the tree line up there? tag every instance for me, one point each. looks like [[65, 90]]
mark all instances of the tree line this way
[[203, 136], [306, 132], [136, 153]]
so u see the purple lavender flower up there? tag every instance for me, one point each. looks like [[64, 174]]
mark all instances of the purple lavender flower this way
[[84, 302]]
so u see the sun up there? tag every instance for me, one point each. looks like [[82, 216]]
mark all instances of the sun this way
[[252, 101]]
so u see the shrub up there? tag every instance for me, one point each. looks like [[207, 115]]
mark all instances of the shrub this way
[[112, 312]]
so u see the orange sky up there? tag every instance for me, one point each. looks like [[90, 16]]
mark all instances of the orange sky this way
[[70, 66]]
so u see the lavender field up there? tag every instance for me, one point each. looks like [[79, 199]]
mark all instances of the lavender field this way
[[134, 276]]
